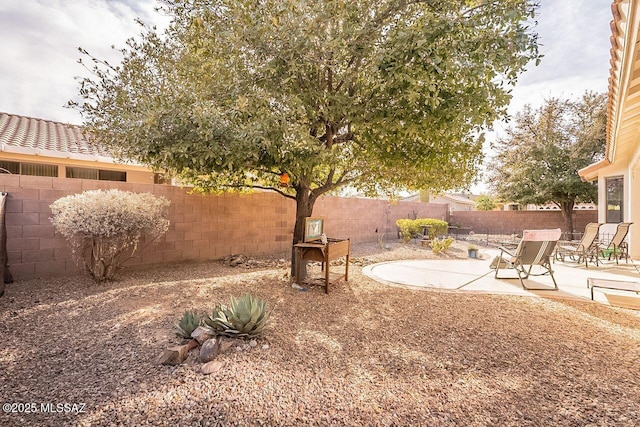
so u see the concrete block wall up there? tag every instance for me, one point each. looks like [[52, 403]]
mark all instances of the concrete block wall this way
[[203, 227], [507, 222], [367, 219]]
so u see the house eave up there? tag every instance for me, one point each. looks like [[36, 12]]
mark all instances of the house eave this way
[[590, 173], [8, 148]]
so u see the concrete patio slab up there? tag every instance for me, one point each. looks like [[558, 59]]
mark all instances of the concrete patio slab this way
[[474, 275]]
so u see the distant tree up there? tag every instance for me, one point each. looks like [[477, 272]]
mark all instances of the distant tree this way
[[539, 158], [376, 94], [485, 203]]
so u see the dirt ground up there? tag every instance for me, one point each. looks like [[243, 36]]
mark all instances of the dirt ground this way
[[364, 354]]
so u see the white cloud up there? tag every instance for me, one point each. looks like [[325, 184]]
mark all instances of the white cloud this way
[[39, 41], [574, 39]]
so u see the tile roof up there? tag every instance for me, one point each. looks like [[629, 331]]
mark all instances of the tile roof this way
[[617, 40], [458, 198], [623, 112], [27, 135]]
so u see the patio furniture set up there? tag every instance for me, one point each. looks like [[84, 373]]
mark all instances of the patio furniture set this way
[[539, 247], [590, 249]]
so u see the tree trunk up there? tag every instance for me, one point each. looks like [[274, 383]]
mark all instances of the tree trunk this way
[[305, 199], [567, 213], [5, 274]]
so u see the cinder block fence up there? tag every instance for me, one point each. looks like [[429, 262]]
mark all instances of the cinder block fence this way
[[209, 227], [508, 222], [203, 227]]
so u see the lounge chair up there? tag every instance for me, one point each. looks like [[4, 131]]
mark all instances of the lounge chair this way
[[535, 249], [584, 251], [617, 247]]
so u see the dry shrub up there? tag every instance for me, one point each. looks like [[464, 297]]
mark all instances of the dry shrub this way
[[105, 227]]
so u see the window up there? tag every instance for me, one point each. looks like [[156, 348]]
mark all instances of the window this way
[[103, 175], [82, 173], [10, 167], [160, 178], [112, 176], [615, 187], [34, 169], [37, 169]]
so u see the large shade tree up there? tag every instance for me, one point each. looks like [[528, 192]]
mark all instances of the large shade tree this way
[[538, 159], [376, 94]]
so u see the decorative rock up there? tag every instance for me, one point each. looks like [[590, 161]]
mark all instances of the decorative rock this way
[[202, 334], [225, 344], [265, 346], [176, 355], [209, 350], [211, 367], [240, 261], [253, 343], [236, 260]]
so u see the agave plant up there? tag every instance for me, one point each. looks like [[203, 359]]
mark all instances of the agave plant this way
[[189, 322], [245, 317]]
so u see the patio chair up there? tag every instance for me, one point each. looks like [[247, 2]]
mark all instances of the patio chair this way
[[585, 250], [535, 249], [617, 247]]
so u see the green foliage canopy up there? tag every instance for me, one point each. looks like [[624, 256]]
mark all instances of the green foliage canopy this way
[[485, 203], [377, 94], [539, 158]]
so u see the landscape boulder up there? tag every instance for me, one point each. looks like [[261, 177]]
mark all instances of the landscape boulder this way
[[176, 355], [209, 350]]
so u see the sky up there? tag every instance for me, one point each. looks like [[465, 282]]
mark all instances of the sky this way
[[39, 41], [574, 39]]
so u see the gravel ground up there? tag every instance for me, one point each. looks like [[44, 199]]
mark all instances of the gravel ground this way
[[365, 354]]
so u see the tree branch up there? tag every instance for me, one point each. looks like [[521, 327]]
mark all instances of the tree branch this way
[[330, 185], [373, 24], [262, 187], [338, 139]]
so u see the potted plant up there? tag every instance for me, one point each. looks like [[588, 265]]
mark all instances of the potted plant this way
[[472, 251]]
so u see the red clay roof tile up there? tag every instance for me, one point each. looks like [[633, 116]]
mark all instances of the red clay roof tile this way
[[38, 134]]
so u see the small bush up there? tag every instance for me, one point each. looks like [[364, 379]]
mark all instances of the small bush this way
[[245, 317], [412, 227], [442, 245], [188, 323], [104, 228]]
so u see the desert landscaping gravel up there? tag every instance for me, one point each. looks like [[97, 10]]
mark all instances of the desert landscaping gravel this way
[[363, 355]]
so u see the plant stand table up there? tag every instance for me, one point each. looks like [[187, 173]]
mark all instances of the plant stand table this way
[[324, 253]]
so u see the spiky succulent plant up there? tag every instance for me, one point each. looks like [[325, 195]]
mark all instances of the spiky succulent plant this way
[[188, 323], [245, 317]]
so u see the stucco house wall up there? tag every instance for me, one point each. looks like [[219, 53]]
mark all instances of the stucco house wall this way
[[622, 154]]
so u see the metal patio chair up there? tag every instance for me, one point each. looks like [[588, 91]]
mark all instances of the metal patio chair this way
[[535, 249], [617, 247], [587, 249]]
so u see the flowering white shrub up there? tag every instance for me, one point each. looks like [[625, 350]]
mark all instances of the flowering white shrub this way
[[104, 227]]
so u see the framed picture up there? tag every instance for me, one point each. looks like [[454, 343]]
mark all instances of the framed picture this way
[[313, 229]]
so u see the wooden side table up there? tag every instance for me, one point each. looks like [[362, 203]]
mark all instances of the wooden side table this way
[[334, 249]]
